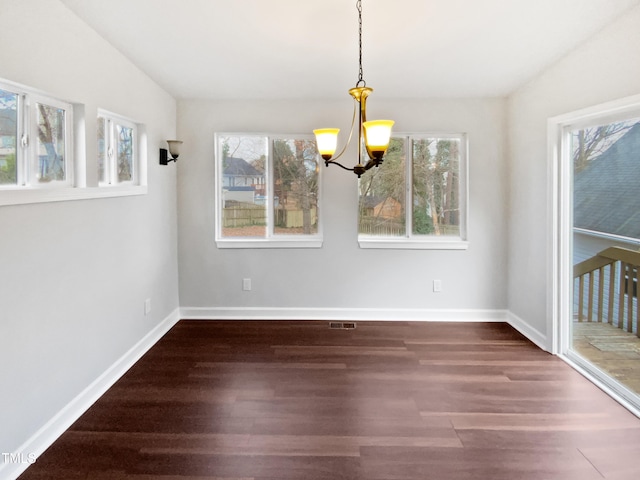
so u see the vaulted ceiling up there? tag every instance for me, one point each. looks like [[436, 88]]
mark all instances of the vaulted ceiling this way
[[224, 49]]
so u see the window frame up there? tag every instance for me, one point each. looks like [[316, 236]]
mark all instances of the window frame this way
[[413, 241], [271, 239], [27, 141], [112, 120]]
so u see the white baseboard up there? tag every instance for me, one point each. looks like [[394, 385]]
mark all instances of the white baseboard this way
[[43, 438], [378, 314], [528, 331]]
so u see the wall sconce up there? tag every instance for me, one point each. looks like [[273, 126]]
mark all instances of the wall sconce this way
[[174, 151]]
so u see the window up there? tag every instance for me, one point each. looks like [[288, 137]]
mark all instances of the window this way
[[267, 191], [417, 197], [117, 156], [43, 152], [35, 140]]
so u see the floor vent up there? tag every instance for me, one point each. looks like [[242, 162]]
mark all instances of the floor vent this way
[[342, 325]]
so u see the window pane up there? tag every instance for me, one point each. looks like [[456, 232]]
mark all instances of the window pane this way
[[102, 150], [606, 208], [244, 160], [382, 195], [295, 186], [51, 143], [436, 193], [125, 153], [8, 137]]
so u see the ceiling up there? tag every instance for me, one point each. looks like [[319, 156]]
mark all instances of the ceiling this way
[[290, 49]]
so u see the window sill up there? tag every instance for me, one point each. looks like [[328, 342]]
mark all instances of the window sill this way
[[21, 196], [269, 243], [452, 243]]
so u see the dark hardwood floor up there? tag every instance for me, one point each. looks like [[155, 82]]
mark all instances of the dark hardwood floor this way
[[386, 401]]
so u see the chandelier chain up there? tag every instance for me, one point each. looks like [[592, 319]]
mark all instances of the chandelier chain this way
[[360, 72]]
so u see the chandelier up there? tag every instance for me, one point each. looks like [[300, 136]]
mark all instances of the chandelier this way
[[373, 135]]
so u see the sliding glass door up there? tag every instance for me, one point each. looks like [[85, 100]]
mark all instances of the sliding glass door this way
[[601, 157]]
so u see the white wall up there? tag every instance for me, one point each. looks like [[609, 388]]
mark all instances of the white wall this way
[[74, 275], [605, 68], [340, 275]]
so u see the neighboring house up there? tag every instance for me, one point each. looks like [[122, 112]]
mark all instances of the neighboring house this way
[[388, 208], [382, 216], [606, 198], [606, 202], [242, 182], [382, 207], [239, 194], [240, 173]]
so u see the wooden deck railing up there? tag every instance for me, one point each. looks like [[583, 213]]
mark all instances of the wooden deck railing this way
[[606, 287]]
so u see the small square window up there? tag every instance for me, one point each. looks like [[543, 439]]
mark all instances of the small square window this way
[[50, 151], [117, 159], [35, 139]]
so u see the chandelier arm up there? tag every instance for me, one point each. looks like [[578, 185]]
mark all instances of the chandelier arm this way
[[372, 163], [330, 162], [353, 122]]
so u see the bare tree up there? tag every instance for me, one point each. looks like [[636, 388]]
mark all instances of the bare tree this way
[[588, 143], [295, 177], [51, 136]]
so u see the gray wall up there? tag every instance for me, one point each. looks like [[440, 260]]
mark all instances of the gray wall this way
[[605, 68], [340, 275], [74, 275]]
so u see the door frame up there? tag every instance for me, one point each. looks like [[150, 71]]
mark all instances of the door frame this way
[[560, 246]]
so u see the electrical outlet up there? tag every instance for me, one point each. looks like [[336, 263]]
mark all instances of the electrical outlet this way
[[246, 284], [437, 286], [147, 306]]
